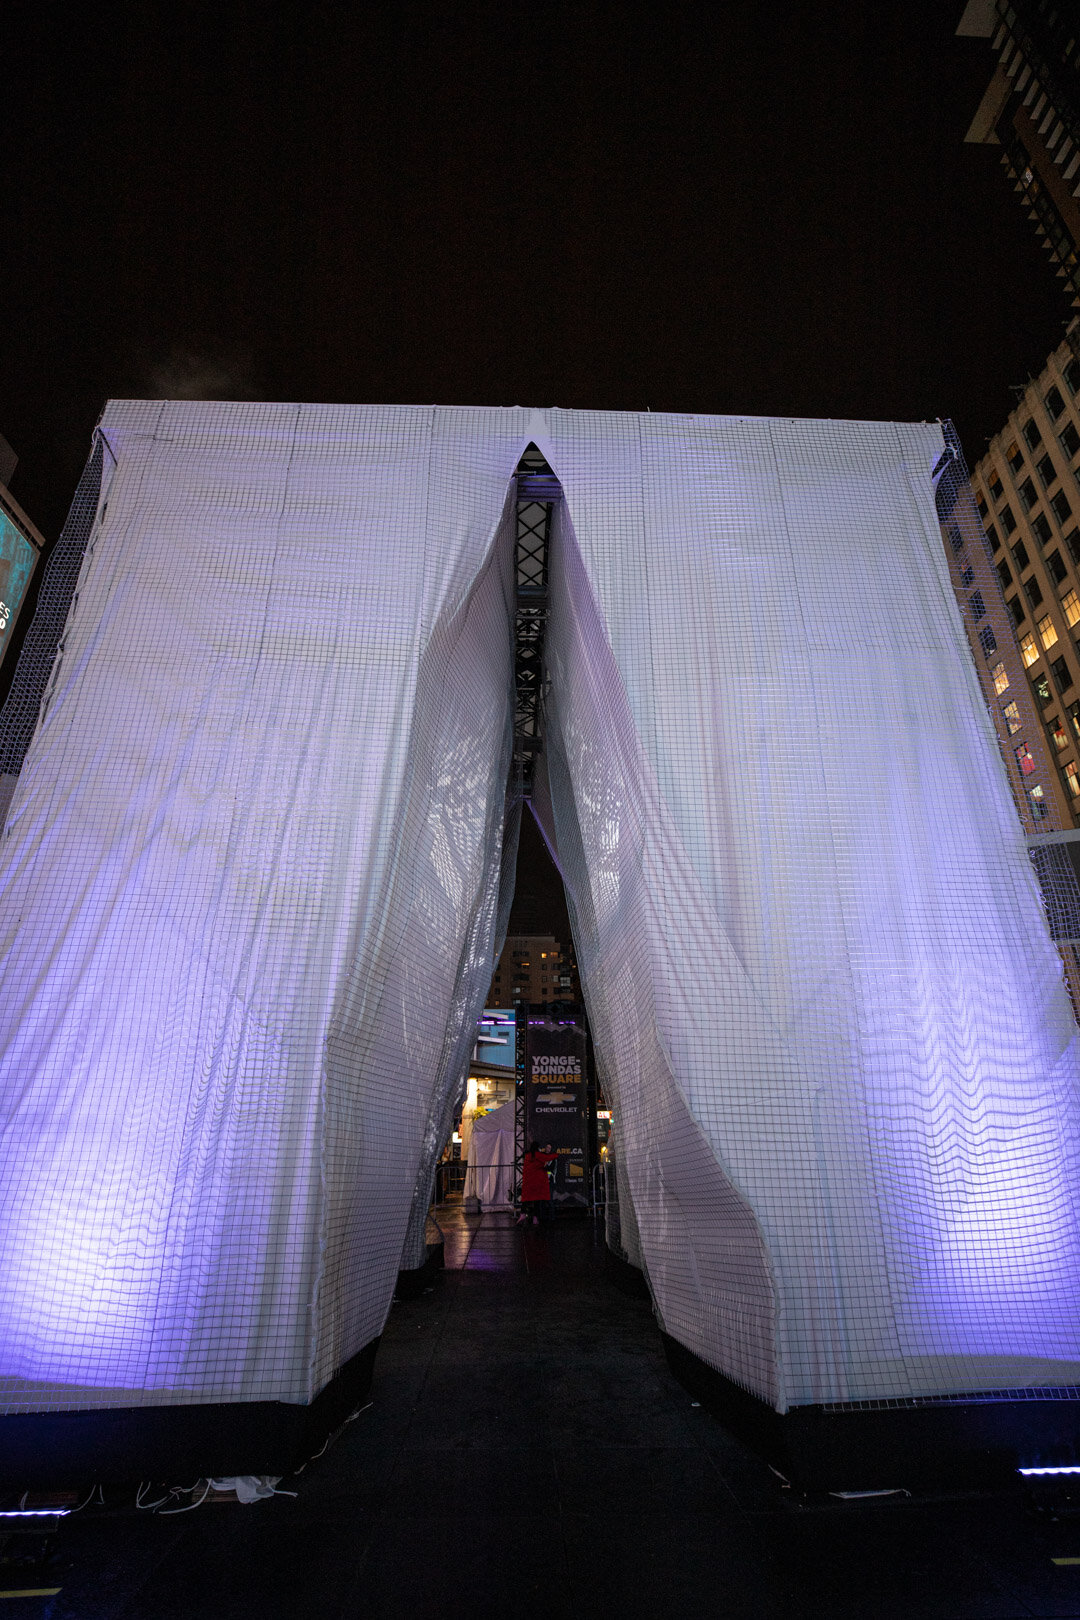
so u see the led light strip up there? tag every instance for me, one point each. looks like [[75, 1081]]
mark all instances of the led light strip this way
[[34, 1513], [1068, 1468]]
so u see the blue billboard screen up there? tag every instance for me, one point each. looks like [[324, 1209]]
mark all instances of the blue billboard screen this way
[[17, 559], [496, 1032]]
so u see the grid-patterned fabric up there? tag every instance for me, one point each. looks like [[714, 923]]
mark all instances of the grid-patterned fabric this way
[[252, 889], [813, 950], [250, 873]]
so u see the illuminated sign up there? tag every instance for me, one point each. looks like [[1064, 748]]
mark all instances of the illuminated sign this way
[[17, 559], [496, 1038]]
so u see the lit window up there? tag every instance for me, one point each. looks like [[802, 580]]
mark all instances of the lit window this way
[[1071, 604], [1043, 694], [1024, 759], [1059, 734], [1039, 806], [1028, 650], [1000, 679], [1047, 634], [1072, 777], [1012, 718]]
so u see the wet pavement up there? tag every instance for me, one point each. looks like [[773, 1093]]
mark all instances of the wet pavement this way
[[527, 1453]]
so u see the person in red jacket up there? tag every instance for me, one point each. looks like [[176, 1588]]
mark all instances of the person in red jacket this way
[[535, 1186]]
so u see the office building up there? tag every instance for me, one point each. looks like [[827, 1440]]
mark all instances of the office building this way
[[1031, 110], [534, 968]]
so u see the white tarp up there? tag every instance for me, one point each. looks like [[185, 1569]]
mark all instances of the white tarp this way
[[489, 1176], [251, 876]]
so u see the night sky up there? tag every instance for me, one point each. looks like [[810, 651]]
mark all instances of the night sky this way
[[687, 207]]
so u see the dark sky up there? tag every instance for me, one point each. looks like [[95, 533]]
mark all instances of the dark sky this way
[[694, 207]]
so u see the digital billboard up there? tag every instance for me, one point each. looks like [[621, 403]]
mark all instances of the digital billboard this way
[[557, 1103], [17, 558], [496, 1038]]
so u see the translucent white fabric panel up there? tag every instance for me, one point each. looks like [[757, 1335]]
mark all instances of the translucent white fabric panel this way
[[248, 907], [813, 950]]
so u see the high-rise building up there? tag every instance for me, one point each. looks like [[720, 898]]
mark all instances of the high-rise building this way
[[534, 968], [1031, 109], [1027, 487]]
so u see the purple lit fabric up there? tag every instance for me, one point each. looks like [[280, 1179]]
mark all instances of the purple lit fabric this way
[[252, 880]]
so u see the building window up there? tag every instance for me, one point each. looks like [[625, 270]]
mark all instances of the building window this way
[[1027, 494], [1014, 456], [988, 642], [1058, 733], [981, 504], [1047, 634], [1072, 778], [1047, 471], [992, 536], [1024, 759], [1054, 403], [1060, 507], [1011, 712], [1062, 674], [1040, 525], [977, 605], [1020, 556], [1057, 567], [1072, 542], [1033, 591], [1006, 519], [1041, 687], [1016, 608], [1074, 719], [1000, 678], [1028, 650], [1032, 436], [1072, 376], [1004, 574], [1071, 604], [1070, 439], [1039, 806], [993, 484], [967, 574]]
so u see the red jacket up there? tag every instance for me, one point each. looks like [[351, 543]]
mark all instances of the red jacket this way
[[535, 1186]]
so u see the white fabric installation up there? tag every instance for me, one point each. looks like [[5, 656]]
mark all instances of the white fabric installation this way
[[251, 894], [489, 1176]]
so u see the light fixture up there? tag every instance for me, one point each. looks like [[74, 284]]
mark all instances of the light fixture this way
[[1065, 1468]]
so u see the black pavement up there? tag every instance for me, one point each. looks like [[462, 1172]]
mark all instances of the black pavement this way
[[527, 1453]]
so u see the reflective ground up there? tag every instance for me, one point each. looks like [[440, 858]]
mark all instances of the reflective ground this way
[[528, 1454]]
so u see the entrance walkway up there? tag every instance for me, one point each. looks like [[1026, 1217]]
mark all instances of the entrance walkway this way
[[527, 1456]]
